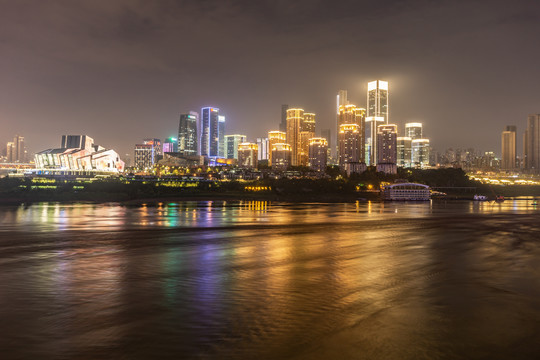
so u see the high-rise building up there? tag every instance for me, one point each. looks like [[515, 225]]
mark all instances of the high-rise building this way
[[281, 156], [350, 147], [420, 152], [341, 100], [188, 133], [307, 132], [327, 134], [16, 150], [295, 118], [531, 144], [387, 148], [231, 144], [10, 150], [508, 148], [351, 114], [404, 151], [170, 145], [247, 155], [414, 130], [221, 136], [147, 154], [377, 99], [210, 131], [283, 123], [318, 154], [372, 123], [275, 137], [387, 144], [262, 143]]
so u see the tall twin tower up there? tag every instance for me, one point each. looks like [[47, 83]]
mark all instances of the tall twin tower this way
[[365, 137]]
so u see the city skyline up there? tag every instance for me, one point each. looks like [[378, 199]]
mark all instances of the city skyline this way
[[119, 68]]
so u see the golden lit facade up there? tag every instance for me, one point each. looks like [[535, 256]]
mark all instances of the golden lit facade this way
[[508, 147], [307, 132], [377, 99], [318, 154], [351, 114], [404, 151], [349, 144], [387, 144], [275, 137], [295, 118], [281, 156], [248, 155]]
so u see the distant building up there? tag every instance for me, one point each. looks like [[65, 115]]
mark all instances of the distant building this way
[[351, 114], [372, 123], [387, 148], [404, 156], [210, 131], [275, 137], [262, 143], [247, 155], [221, 136], [231, 145], [531, 144], [281, 156], [187, 134], [318, 154], [170, 145], [413, 130], [350, 146], [147, 154], [327, 134], [295, 118], [508, 148], [377, 100], [16, 150], [82, 157], [420, 152]]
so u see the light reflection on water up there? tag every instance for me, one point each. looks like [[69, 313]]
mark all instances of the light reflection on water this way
[[271, 280]]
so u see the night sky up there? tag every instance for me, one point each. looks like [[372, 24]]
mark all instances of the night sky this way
[[120, 71]]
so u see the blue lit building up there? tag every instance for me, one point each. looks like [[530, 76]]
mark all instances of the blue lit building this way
[[210, 131]]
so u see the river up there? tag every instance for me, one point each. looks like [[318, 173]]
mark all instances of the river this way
[[261, 280]]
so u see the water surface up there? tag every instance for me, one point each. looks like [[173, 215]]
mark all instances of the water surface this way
[[244, 280]]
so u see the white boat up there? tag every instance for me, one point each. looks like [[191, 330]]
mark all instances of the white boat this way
[[480, 198]]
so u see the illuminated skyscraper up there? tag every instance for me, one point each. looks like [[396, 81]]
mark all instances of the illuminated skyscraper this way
[[351, 114], [210, 131], [509, 148], [281, 156], [387, 148], [318, 154], [221, 136], [350, 147], [377, 99], [341, 100], [404, 151], [377, 114], [307, 132], [147, 154], [170, 145], [372, 123], [232, 142], [275, 137], [420, 153], [187, 134], [262, 143], [247, 155], [295, 118], [413, 130], [531, 144]]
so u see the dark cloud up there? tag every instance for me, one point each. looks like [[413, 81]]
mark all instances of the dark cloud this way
[[123, 70]]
